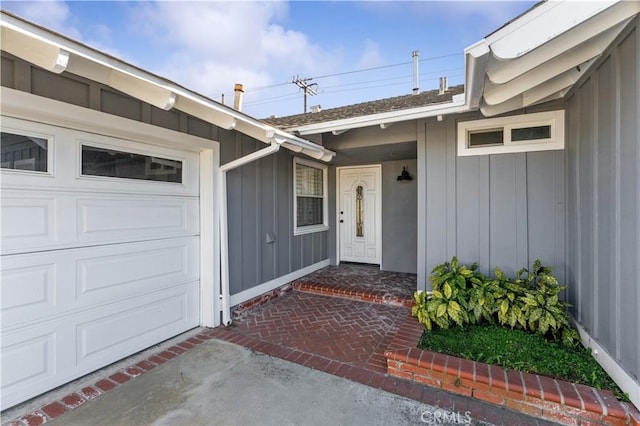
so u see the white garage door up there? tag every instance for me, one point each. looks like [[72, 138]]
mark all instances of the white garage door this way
[[100, 252]]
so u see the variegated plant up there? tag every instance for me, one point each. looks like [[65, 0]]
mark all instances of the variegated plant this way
[[462, 295]]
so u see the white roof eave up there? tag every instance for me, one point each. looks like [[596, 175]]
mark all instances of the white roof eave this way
[[384, 120], [541, 54], [57, 54]]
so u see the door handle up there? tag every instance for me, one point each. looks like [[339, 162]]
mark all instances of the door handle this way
[[341, 221]]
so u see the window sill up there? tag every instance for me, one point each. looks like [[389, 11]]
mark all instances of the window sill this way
[[310, 229]]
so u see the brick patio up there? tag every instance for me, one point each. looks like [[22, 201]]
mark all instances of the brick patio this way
[[307, 324]]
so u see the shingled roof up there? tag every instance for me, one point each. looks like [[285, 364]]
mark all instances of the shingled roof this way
[[431, 97]]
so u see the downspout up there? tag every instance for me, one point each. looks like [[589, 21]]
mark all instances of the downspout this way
[[224, 231]]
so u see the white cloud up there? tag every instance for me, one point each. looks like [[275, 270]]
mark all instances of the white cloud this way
[[52, 14], [371, 55], [210, 46]]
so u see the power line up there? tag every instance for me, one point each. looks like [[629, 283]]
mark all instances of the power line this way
[[309, 89], [385, 66], [393, 78], [432, 58]]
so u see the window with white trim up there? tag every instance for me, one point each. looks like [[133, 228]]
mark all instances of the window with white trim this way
[[107, 162], [540, 131], [310, 207], [24, 152]]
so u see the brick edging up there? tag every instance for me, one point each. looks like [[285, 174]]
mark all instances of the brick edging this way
[[82, 395], [347, 292], [532, 394]]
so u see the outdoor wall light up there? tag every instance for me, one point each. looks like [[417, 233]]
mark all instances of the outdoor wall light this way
[[404, 175]]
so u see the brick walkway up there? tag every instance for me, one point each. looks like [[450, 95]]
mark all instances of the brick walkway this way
[[337, 335], [321, 326], [353, 332]]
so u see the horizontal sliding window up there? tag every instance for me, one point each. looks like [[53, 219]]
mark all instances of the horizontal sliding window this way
[[23, 152], [518, 133], [107, 162]]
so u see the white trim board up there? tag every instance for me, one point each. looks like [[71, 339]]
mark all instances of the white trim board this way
[[44, 110], [621, 377], [249, 294]]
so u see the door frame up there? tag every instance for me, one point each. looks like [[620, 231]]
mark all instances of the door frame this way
[[378, 207]]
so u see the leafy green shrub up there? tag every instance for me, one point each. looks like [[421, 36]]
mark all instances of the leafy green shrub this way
[[448, 302], [462, 295], [544, 311]]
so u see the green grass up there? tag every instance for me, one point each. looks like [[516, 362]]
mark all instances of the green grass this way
[[522, 351]]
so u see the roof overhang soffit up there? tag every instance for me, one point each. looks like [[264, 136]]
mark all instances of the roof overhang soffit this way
[[540, 56], [383, 120], [57, 54]]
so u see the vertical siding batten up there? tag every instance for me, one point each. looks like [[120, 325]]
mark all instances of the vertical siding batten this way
[[603, 208], [484, 224], [451, 189], [522, 209], [629, 48]]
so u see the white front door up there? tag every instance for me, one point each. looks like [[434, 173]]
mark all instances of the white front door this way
[[360, 214]]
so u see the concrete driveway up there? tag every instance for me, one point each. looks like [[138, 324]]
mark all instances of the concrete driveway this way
[[222, 383]]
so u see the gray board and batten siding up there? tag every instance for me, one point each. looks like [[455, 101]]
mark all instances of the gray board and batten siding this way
[[262, 245], [260, 193], [500, 210], [603, 200]]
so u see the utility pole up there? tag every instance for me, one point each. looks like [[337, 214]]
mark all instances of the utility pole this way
[[309, 89]]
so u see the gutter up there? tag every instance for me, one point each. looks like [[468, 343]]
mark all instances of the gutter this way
[[224, 230]]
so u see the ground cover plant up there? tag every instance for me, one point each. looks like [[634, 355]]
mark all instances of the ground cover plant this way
[[522, 351], [519, 323]]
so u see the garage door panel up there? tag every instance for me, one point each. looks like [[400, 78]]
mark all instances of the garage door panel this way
[[28, 288], [28, 221], [64, 168], [114, 272], [47, 355], [42, 286], [134, 218], [48, 220], [32, 359], [124, 327]]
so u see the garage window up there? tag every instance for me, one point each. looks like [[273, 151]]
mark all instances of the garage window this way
[[107, 162], [24, 152]]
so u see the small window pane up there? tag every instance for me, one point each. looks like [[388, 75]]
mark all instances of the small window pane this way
[[309, 211], [309, 181], [531, 133], [21, 152], [111, 163], [486, 138], [359, 211]]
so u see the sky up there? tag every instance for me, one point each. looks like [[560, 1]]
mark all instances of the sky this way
[[347, 51]]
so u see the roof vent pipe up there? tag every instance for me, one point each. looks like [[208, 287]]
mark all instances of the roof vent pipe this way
[[237, 99], [443, 85], [316, 108], [415, 55]]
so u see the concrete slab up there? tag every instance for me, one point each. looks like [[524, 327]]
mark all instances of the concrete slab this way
[[222, 383]]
